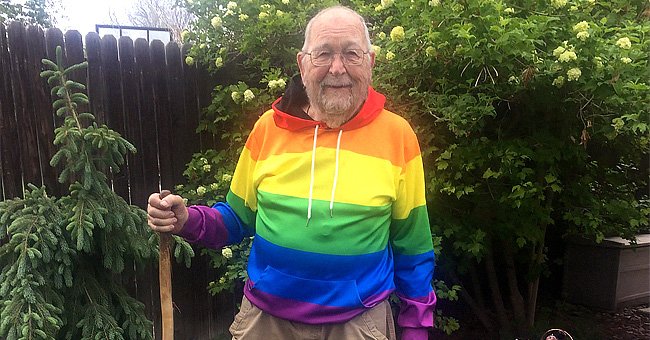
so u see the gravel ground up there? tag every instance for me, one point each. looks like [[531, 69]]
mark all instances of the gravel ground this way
[[627, 324], [580, 322]]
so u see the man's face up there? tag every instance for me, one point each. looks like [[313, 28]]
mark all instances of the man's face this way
[[337, 89]]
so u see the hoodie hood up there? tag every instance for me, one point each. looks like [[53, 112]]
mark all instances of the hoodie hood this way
[[288, 113]]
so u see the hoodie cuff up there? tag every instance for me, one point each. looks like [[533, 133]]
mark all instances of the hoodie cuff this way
[[415, 333]]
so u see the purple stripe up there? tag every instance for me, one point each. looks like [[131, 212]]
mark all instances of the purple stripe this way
[[306, 312], [417, 312], [205, 226]]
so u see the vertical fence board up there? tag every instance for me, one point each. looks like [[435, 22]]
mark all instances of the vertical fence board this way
[[27, 139], [74, 54], [44, 118], [162, 109], [182, 134], [114, 106], [147, 116], [130, 94], [10, 158], [54, 38], [95, 82]]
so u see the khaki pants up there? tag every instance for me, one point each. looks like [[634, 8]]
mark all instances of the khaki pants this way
[[251, 323]]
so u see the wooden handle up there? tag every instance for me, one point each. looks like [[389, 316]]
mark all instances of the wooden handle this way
[[165, 278]]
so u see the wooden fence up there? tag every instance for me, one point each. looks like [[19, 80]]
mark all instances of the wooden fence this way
[[145, 92]]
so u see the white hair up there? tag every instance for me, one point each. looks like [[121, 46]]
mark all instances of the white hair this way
[[324, 11]]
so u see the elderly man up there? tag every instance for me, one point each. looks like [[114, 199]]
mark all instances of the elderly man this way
[[331, 185]]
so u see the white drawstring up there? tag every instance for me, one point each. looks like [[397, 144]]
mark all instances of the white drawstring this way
[[311, 181], [336, 173]]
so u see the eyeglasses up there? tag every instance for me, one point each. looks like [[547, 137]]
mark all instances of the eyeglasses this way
[[325, 58]]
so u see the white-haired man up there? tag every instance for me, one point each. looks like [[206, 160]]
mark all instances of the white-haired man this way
[[332, 187]]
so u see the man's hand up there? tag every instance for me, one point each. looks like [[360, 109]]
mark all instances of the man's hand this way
[[166, 215]]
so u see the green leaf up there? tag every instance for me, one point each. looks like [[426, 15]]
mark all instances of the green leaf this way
[[521, 242]]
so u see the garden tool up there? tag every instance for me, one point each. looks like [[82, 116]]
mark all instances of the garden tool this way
[[165, 280]]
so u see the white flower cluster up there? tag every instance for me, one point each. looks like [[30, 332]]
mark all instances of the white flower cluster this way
[[226, 252], [565, 54], [248, 95], [216, 22], [277, 84], [624, 43], [559, 3], [573, 74], [582, 29]]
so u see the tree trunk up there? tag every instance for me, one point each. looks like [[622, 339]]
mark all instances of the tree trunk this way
[[497, 299], [477, 287], [516, 298], [533, 286], [480, 311]]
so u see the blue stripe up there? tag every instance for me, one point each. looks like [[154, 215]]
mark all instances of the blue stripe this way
[[411, 271], [324, 279], [234, 225]]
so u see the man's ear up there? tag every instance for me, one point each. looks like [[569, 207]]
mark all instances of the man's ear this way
[[372, 58], [299, 57]]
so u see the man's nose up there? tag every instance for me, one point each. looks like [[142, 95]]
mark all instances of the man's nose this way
[[337, 66]]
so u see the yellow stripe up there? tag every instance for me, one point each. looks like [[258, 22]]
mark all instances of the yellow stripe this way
[[411, 189], [363, 180], [242, 185]]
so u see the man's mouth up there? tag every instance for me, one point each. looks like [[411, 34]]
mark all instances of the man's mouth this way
[[337, 86]]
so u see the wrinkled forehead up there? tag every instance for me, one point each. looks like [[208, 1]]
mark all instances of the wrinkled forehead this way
[[337, 29]]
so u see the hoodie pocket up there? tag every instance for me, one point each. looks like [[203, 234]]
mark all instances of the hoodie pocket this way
[[321, 292]]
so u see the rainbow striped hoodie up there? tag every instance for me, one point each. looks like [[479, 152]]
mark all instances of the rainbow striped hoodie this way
[[338, 215]]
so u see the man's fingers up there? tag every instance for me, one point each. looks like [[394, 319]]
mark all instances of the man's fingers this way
[[166, 202], [158, 213], [161, 224]]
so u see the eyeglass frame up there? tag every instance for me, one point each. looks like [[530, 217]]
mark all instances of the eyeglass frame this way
[[343, 59]]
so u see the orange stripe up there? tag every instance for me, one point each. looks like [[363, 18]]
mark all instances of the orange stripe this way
[[365, 141]]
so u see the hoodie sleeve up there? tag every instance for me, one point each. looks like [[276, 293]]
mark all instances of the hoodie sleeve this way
[[228, 223], [214, 227], [410, 238]]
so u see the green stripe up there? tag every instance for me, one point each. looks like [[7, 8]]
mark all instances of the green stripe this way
[[352, 230], [239, 207], [412, 236]]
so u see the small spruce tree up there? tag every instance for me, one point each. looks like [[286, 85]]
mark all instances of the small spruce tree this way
[[61, 257]]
